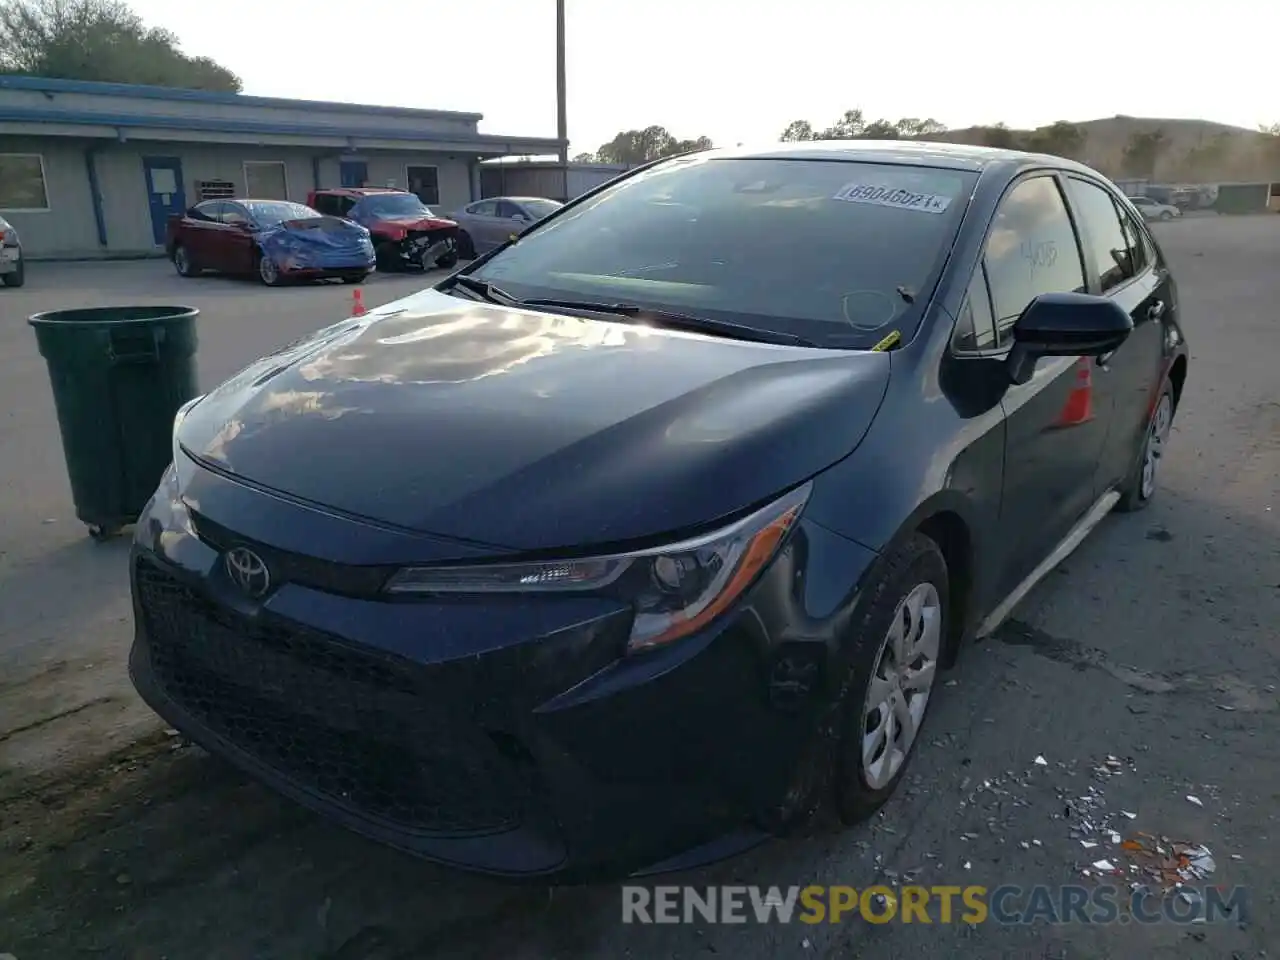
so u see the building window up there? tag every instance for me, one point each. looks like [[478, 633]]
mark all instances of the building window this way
[[265, 180], [425, 182], [22, 182]]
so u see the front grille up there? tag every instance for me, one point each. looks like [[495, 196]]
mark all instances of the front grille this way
[[364, 729]]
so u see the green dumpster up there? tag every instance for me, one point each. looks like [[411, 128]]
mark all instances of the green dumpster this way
[[119, 375]]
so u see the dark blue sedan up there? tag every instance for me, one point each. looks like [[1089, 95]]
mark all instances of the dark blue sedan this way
[[646, 535]]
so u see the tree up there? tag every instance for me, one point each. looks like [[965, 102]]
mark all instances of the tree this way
[[853, 126], [1062, 139], [633, 147], [798, 130], [584, 158], [102, 40], [996, 136], [1142, 153]]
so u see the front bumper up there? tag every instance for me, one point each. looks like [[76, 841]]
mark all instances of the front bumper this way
[[505, 736]]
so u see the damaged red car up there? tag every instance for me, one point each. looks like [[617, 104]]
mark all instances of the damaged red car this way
[[405, 231]]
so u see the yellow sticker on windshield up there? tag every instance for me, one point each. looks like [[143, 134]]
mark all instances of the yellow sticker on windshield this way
[[891, 340]]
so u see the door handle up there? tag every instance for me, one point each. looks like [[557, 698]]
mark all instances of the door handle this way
[[1156, 310]]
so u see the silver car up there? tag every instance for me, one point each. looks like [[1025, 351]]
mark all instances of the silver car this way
[[12, 270], [486, 224], [1153, 210]]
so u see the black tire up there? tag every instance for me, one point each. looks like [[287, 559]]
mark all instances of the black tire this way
[[915, 563], [268, 272], [466, 246], [448, 261], [387, 256], [183, 263], [1166, 215], [357, 278], [18, 277], [1136, 492]]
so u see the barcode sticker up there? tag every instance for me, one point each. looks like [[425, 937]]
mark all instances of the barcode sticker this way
[[886, 196]]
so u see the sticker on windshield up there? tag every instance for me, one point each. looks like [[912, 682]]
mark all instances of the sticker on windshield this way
[[883, 196]]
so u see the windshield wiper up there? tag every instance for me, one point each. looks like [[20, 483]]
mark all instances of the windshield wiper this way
[[676, 321], [485, 289], [665, 318]]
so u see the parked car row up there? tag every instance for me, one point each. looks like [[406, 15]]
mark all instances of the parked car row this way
[[344, 233]]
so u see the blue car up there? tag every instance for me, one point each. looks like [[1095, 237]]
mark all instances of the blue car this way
[[277, 240]]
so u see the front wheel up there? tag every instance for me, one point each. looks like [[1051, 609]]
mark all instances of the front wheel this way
[[446, 262], [1143, 480], [1166, 215], [268, 272], [898, 642], [466, 246]]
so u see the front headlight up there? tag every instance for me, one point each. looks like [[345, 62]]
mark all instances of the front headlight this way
[[675, 590]]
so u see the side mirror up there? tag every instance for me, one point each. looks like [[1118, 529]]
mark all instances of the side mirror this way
[[1066, 325]]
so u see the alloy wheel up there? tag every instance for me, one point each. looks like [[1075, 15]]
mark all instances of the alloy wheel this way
[[901, 684], [1157, 438], [268, 270], [182, 261]]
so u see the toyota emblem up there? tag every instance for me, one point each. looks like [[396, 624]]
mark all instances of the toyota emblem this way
[[248, 571]]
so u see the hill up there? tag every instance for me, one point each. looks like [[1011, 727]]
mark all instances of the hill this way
[[1163, 150]]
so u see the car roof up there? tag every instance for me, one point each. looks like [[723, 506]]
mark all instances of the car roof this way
[[917, 153]]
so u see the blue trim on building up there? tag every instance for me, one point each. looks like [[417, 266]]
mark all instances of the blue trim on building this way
[[215, 125], [141, 92], [95, 196]]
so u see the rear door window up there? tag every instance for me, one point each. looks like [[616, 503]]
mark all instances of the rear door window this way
[[1031, 249], [1101, 221]]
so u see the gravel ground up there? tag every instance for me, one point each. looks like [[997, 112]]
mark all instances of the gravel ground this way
[[1154, 645]]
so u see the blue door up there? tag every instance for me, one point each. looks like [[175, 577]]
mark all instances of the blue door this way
[[353, 173], [164, 192]]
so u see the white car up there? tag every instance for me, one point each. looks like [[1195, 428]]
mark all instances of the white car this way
[[1151, 210], [12, 271]]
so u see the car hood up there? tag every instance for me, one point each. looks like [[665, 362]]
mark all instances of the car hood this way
[[533, 431]]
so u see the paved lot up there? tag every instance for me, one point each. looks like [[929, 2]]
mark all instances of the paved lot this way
[[1155, 644]]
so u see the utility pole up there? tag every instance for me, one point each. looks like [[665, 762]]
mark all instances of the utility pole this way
[[562, 119]]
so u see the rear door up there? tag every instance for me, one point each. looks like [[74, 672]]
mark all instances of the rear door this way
[[236, 240], [199, 227], [483, 225], [1054, 431], [1122, 264]]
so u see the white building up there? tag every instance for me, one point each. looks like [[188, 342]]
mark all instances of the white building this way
[[96, 169]]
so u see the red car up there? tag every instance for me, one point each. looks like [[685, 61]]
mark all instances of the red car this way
[[404, 229], [277, 240]]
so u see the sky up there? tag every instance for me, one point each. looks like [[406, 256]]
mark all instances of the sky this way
[[739, 72]]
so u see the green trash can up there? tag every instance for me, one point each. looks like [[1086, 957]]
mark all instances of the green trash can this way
[[119, 375]]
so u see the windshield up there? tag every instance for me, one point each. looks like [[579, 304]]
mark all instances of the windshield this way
[[268, 212], [392, 205], [540, 208], [837, 252]]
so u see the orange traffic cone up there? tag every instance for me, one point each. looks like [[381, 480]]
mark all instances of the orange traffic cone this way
[[357, 304], [1079, 405]]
